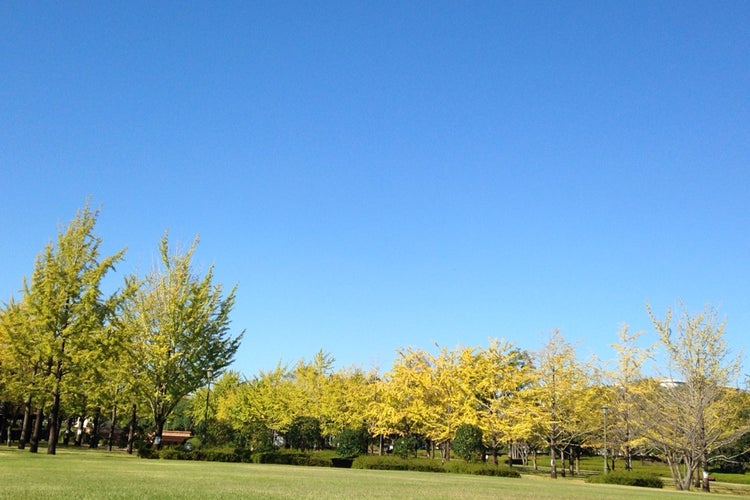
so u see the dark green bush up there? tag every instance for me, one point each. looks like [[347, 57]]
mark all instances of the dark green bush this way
[[352, 442], [405, 447], [282, 457], [468, 441], [305, 434], [342, 463], [174, 454], [461, 467], [147, 451], [625, 478], [378, 462]]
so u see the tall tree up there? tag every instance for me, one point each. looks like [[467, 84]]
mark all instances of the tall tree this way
[[502, 373], [67, 309], [179, 324], [566, 412], [693, 410], [624, 390]]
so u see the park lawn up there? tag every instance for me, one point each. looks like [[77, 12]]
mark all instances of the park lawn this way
[[82, 474]]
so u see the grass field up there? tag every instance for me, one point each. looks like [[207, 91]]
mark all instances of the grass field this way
[[84, 474]]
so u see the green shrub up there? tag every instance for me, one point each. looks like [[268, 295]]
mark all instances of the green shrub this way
[[352, 442], [468, 441], [385, 462], [625, 478], [282, 457], [481, 469], [405, 447], [380, 462], [146, 450], [305, 434], [174, 454]]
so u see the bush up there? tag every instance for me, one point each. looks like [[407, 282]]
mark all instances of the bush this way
[[405, 447], [384, 462], [380, 462], [468, 441], [292, 458], [304, 434], [625, 478], [342, 463], [352, 442], [146, 450], [461, 467]]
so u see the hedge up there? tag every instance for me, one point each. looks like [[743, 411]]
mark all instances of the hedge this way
[[625, 478]]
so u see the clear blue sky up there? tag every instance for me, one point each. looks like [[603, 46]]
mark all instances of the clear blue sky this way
[[375, 175]]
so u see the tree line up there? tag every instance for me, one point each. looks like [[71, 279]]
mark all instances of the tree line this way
[[71, 351], [519, 402]]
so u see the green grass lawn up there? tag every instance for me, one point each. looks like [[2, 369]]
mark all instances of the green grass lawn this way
[[83, 474]]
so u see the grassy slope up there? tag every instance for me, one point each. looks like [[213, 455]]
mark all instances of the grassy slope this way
[[84, 474]]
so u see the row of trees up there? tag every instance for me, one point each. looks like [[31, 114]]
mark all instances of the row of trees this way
[[519, 401], [71, 350]]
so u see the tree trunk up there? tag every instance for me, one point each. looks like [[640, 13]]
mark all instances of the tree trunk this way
[[706, 486], [131, 430], [94, 443], [26, 425], [552, 464], [9, 431], [37, 432], [159, 431], [111, 436], [54, 420]]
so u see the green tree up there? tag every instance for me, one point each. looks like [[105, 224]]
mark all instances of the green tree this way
[[304, 434], [68, 315], [468, 441], [352, 442], [179, 326]]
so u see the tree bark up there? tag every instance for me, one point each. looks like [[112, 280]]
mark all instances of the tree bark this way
[[159, 432], [112, 427], [131, 430], [54, 421], [26, 425], [552, 464], [37, 433], [94, 443]]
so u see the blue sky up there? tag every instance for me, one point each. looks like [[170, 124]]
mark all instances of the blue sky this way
[[375, 175]]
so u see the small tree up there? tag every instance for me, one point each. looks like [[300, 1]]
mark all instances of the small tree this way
[[406, 446], [353, 442], [468, 441], [304, 434]]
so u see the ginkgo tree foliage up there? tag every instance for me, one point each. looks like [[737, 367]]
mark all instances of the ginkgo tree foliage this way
[[567, 409], [68, 321], [625, 388], [179, 328], [693, 409], [503, 373]]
